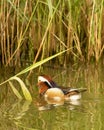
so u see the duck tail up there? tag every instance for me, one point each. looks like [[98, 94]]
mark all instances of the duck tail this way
[[82, 89], [74, 90]]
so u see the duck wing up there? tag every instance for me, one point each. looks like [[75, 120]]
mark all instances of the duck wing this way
[[72, 91]]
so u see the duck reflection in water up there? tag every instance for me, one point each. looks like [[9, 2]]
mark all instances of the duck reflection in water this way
[[57, 95]]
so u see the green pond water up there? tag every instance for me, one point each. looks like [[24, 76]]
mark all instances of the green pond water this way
[[86, 114]]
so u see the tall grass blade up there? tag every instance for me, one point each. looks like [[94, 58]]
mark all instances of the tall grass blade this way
[[45, 34], [50, 7], [40, 63]]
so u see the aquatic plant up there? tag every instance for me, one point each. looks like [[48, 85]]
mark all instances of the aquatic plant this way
[[25, 91]]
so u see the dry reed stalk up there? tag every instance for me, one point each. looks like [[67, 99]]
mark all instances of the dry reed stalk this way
[[34, 30]]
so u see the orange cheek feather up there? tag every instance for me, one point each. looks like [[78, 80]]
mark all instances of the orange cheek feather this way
[[42, 89]]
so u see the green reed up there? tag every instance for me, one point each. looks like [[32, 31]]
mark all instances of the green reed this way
[[33, 30]]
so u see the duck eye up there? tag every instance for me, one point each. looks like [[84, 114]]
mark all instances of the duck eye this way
[[39, 80]]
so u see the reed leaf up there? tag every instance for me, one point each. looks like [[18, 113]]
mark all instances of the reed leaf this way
[[25, 91], [15, 90], [34, 66]]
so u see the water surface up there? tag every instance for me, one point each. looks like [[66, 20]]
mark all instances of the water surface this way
[[87, 114]]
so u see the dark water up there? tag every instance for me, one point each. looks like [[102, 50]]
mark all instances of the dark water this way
[[87, 114]]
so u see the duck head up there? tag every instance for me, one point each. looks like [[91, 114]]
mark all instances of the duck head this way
[[48, 80]]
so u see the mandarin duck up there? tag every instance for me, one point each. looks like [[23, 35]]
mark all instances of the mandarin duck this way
[[50, 90]]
